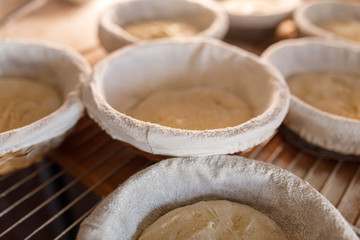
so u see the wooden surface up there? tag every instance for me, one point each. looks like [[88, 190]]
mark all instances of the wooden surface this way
[[102, 163]]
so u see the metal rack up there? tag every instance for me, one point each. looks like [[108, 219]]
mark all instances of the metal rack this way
[[49, 199]]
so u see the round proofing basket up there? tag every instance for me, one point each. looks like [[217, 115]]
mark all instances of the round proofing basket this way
[[322, 129], [204, 14], [299, 210], [307, 16], [127, 76], [57, 67], [261, 21]]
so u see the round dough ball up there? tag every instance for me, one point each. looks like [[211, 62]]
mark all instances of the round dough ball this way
[[23, 102], [161, 29], [194, 108], [333, 93], [217, 220]]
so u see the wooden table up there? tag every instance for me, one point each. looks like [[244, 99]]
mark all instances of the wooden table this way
[[91, 157]]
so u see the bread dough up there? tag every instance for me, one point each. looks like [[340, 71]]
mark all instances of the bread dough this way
[[215, 220], [349, 29], [334, 93], [194, 108], [161, 29], [254, 6], [23, 101]]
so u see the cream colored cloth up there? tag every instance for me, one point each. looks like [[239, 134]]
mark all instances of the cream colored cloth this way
[[219, 219], [117, 86], [206, 16], [309, 55], [255, 6], [23, 101], [51, 65], [197, 108], [300, 211]]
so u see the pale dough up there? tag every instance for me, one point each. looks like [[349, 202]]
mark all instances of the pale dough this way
[[217, 220], [195, 108], [161, 29], [334, 93], [23, 101], [254, 6], [349, 29]]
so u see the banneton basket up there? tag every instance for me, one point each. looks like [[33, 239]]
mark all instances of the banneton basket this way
[[130, 74], [265, 20], [299, 210], [309, 14], [334, 133], [58, 67], [205, 14]]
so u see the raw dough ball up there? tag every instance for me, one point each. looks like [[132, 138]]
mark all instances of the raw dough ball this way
[[349, 29], [195, 109], [161, 29], [334, 93], [23, 101], [215, 220]]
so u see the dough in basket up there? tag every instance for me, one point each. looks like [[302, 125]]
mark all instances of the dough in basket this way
[[23, 101], [153, 29], [196, 108], [349, 29], [219, 219], [333, 93]]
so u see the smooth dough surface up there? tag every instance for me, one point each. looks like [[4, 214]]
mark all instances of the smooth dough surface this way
[[334, 93], [217, 220], [23, 101], [254, 6], [194, 108], [349, 29], [161, 29]]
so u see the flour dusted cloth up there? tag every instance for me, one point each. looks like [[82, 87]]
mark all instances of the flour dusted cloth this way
[[299, 210], [306, 55], [205, 15], [132, 73], [58, 67]]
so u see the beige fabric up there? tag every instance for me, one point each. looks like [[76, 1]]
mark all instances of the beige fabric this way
[[256, 6], [308, 55], [299, 210], [311, 14], [206, 16], [57, 67], [257, 15], [116, 87]]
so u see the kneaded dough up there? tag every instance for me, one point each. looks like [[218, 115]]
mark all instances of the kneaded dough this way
[[349, 29], [217, 220], [23, 101], [197, 108], [161, 29], [333, 93]]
